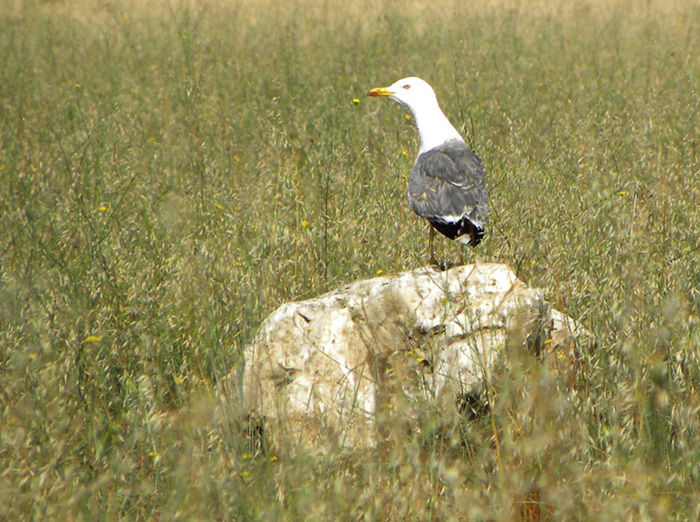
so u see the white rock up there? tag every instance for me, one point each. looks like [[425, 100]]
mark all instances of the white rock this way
[[322, 371]]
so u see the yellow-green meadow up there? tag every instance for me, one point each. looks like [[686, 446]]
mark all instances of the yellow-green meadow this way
[[173, 171]]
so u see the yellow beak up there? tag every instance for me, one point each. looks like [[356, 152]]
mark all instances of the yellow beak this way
[[380, 91]]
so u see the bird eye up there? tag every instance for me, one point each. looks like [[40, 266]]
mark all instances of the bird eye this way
[[407, 86]]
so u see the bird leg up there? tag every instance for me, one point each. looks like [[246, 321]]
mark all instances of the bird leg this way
[[440, 265]]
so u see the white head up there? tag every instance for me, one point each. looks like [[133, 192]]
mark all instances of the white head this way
[[418, 97], [413, 93]]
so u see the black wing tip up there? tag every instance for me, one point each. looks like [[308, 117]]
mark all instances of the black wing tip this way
[[458, 229], [477, 234]]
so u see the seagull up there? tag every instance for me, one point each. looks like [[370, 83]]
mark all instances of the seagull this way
[[447, 184]]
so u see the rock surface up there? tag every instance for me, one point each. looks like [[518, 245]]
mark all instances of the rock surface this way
[[322, 371]]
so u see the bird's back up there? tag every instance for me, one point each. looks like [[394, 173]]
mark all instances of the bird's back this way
[[448, 187]]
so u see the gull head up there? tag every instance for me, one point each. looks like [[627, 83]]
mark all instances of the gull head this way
[[413, 93], [419, 98]]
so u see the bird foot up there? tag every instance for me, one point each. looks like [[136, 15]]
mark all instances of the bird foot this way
[[441, 265]]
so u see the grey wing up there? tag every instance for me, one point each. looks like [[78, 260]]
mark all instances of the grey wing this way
[[448, 184]]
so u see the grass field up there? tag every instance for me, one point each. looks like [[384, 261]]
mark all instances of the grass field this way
[[172, 172]]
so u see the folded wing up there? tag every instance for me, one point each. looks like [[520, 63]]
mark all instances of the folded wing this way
[[448, 188]]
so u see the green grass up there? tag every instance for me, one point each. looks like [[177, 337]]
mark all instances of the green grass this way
[[170, 174]]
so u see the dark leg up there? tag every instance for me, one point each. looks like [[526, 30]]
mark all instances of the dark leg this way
[[440, 265]]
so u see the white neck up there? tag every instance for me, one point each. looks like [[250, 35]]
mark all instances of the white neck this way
[[433, 126]]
